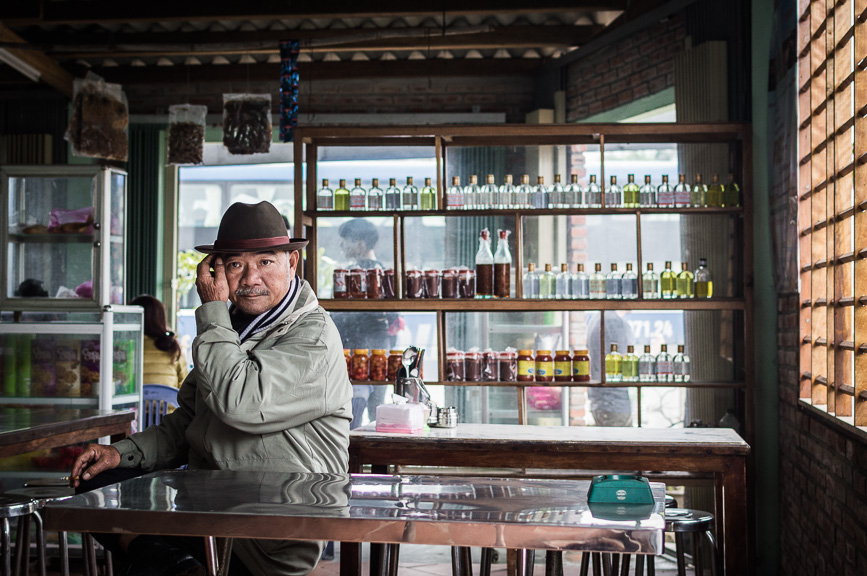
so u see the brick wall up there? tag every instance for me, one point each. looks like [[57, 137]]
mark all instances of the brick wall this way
[[823, 476]]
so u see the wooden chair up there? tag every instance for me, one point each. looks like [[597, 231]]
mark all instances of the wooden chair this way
[[156, 401]]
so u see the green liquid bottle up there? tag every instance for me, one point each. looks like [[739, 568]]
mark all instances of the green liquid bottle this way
[[428, 196], [732, 194], [613, 365], [668, 281], [685, 283], [698, 195], [703, 281], [631, 193], [715, 192], [548, 283], [341, 197], [24, 363], [630, 365]]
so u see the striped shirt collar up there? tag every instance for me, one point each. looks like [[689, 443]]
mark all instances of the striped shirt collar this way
[[268, 318]]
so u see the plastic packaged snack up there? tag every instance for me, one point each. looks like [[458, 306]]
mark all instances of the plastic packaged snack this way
[[99, 120], [186, 138], [247, 123]]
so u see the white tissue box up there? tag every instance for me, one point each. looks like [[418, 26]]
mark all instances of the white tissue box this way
[[405, 418]]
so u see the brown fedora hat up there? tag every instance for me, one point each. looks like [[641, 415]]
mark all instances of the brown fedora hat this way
[[252, 228]]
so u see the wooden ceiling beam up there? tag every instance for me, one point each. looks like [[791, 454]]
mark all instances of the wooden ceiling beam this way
[[33, 63]]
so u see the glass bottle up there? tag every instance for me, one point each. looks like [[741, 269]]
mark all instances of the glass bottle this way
[[593, 195], [664, 194], [392, 196], [597, 283], [629, 283], [732, 194], [647, 194], [506, 196], [680, 365], [715, 192], [580, 283], [681, 193], [410, 195], [703, 280], [427, 197], [471, 193], [574, 194], [484, 266], [650, 282], [547, 283], [564, 283], [540, 195], [685, 282], [489, 194], [581, 366], [631, 193], [613, 194], [556, 194], [525, 191], [698, 196], [544, 366], [668, 282], [531, 282], [502, 266], [455, 195], [612, 284], [664, 365], [325, 197], [613, 365], [374, 196], [341, 196], [630, 365], [357, 197], [647, 366]]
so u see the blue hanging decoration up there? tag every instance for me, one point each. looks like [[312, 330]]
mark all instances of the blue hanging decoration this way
[[288, 89]]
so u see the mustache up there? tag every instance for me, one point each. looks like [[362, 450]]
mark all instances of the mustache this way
[[252, 292]]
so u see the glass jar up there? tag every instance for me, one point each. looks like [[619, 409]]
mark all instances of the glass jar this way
[[449, 286], [473, 366], [431, 283], [378, 365], [508, 362], [467, 284], [562, 366], [581, 366], [455, 366], [340, 283], [374, 283], [526, 366], [414, 284], [395, 361], [544, 366], [389, 288], [356, 283], [490, 368], [360, 364]]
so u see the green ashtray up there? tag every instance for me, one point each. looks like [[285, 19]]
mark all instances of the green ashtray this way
[[620, 489]]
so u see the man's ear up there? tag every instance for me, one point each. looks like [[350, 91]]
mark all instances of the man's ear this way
[[294, 257]]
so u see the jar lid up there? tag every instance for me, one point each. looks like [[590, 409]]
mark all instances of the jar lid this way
[[473, 355], [543, 352], [396, 352], [456, 353], [346, 350], [413, 272], [340, 270], [432, 272], [562, 352], [508, 355], [356, 270], [525, 352], [450, 272], [360, 351], [389, 271], [374, 271], [379, 351], [582, 352]]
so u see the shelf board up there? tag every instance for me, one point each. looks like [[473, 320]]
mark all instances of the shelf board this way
[[513, 211], [522, 305], [591, 384], [49, 238]]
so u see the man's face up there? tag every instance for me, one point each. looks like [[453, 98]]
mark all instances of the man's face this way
[[259, 280]]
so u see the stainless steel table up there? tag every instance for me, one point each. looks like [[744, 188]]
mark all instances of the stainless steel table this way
[[447, 511]]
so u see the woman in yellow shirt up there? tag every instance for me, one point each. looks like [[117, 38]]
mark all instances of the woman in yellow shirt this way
[[163, 361]]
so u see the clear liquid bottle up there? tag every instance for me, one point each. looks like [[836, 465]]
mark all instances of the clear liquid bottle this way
[[732, 194], [341, 196], [613, 194], [647, 366], [564, 283], [593, 194], [574, 194], [613, 365], [650, 282], [685, 282], [375, 196], [681, 193], [664, 365], [325, 197], [629, 283], [357, 197], [703, 280], [524, 193], [531, 282], [668, 282], [680, 365], [471, 193], [488, 196], [506, 193], [631, 193], [580, 283], [427, 197], [540, 195], [664, 194], [392, 195], [455, 195], [647, 194], [484, 266], [612, 284], [548, 283], [410, 195], [630, 365], [556, 196], [698, 196], [715, 192], [597, 283], [502, 266]]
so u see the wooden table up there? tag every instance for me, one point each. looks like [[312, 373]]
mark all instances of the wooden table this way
[[718, 451], [25, 429]]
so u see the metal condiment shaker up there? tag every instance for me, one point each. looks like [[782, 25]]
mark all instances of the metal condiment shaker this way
[[448, 417]]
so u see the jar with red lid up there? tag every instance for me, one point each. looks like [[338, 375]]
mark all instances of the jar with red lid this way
[[455, 366], [508, 362], [414, 284], [544, 366], [431, 283], [581, 366], [526, 366], [360, 364], [374, 283], [467, 284], [473, 366], [490, 367], [389, 288], [395, 361], [449, 285], [356, 283], [562, 366], [347, 356], [340, 283], [378, 365]]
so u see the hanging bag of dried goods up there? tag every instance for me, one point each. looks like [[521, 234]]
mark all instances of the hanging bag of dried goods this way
[[99, 120], [186, 134], [247, 123]]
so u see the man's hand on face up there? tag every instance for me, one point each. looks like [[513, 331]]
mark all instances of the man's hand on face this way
[[212, 288]]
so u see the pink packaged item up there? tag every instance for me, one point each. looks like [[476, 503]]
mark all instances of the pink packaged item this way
[[71, 221], [543, 398], [405, 418]]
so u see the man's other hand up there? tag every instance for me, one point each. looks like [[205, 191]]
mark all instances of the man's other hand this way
[[96, 458], [212, 288]]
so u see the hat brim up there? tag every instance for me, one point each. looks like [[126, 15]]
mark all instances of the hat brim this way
[[292, 245]]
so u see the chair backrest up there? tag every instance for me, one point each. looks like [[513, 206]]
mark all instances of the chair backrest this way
[[156, 400]]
